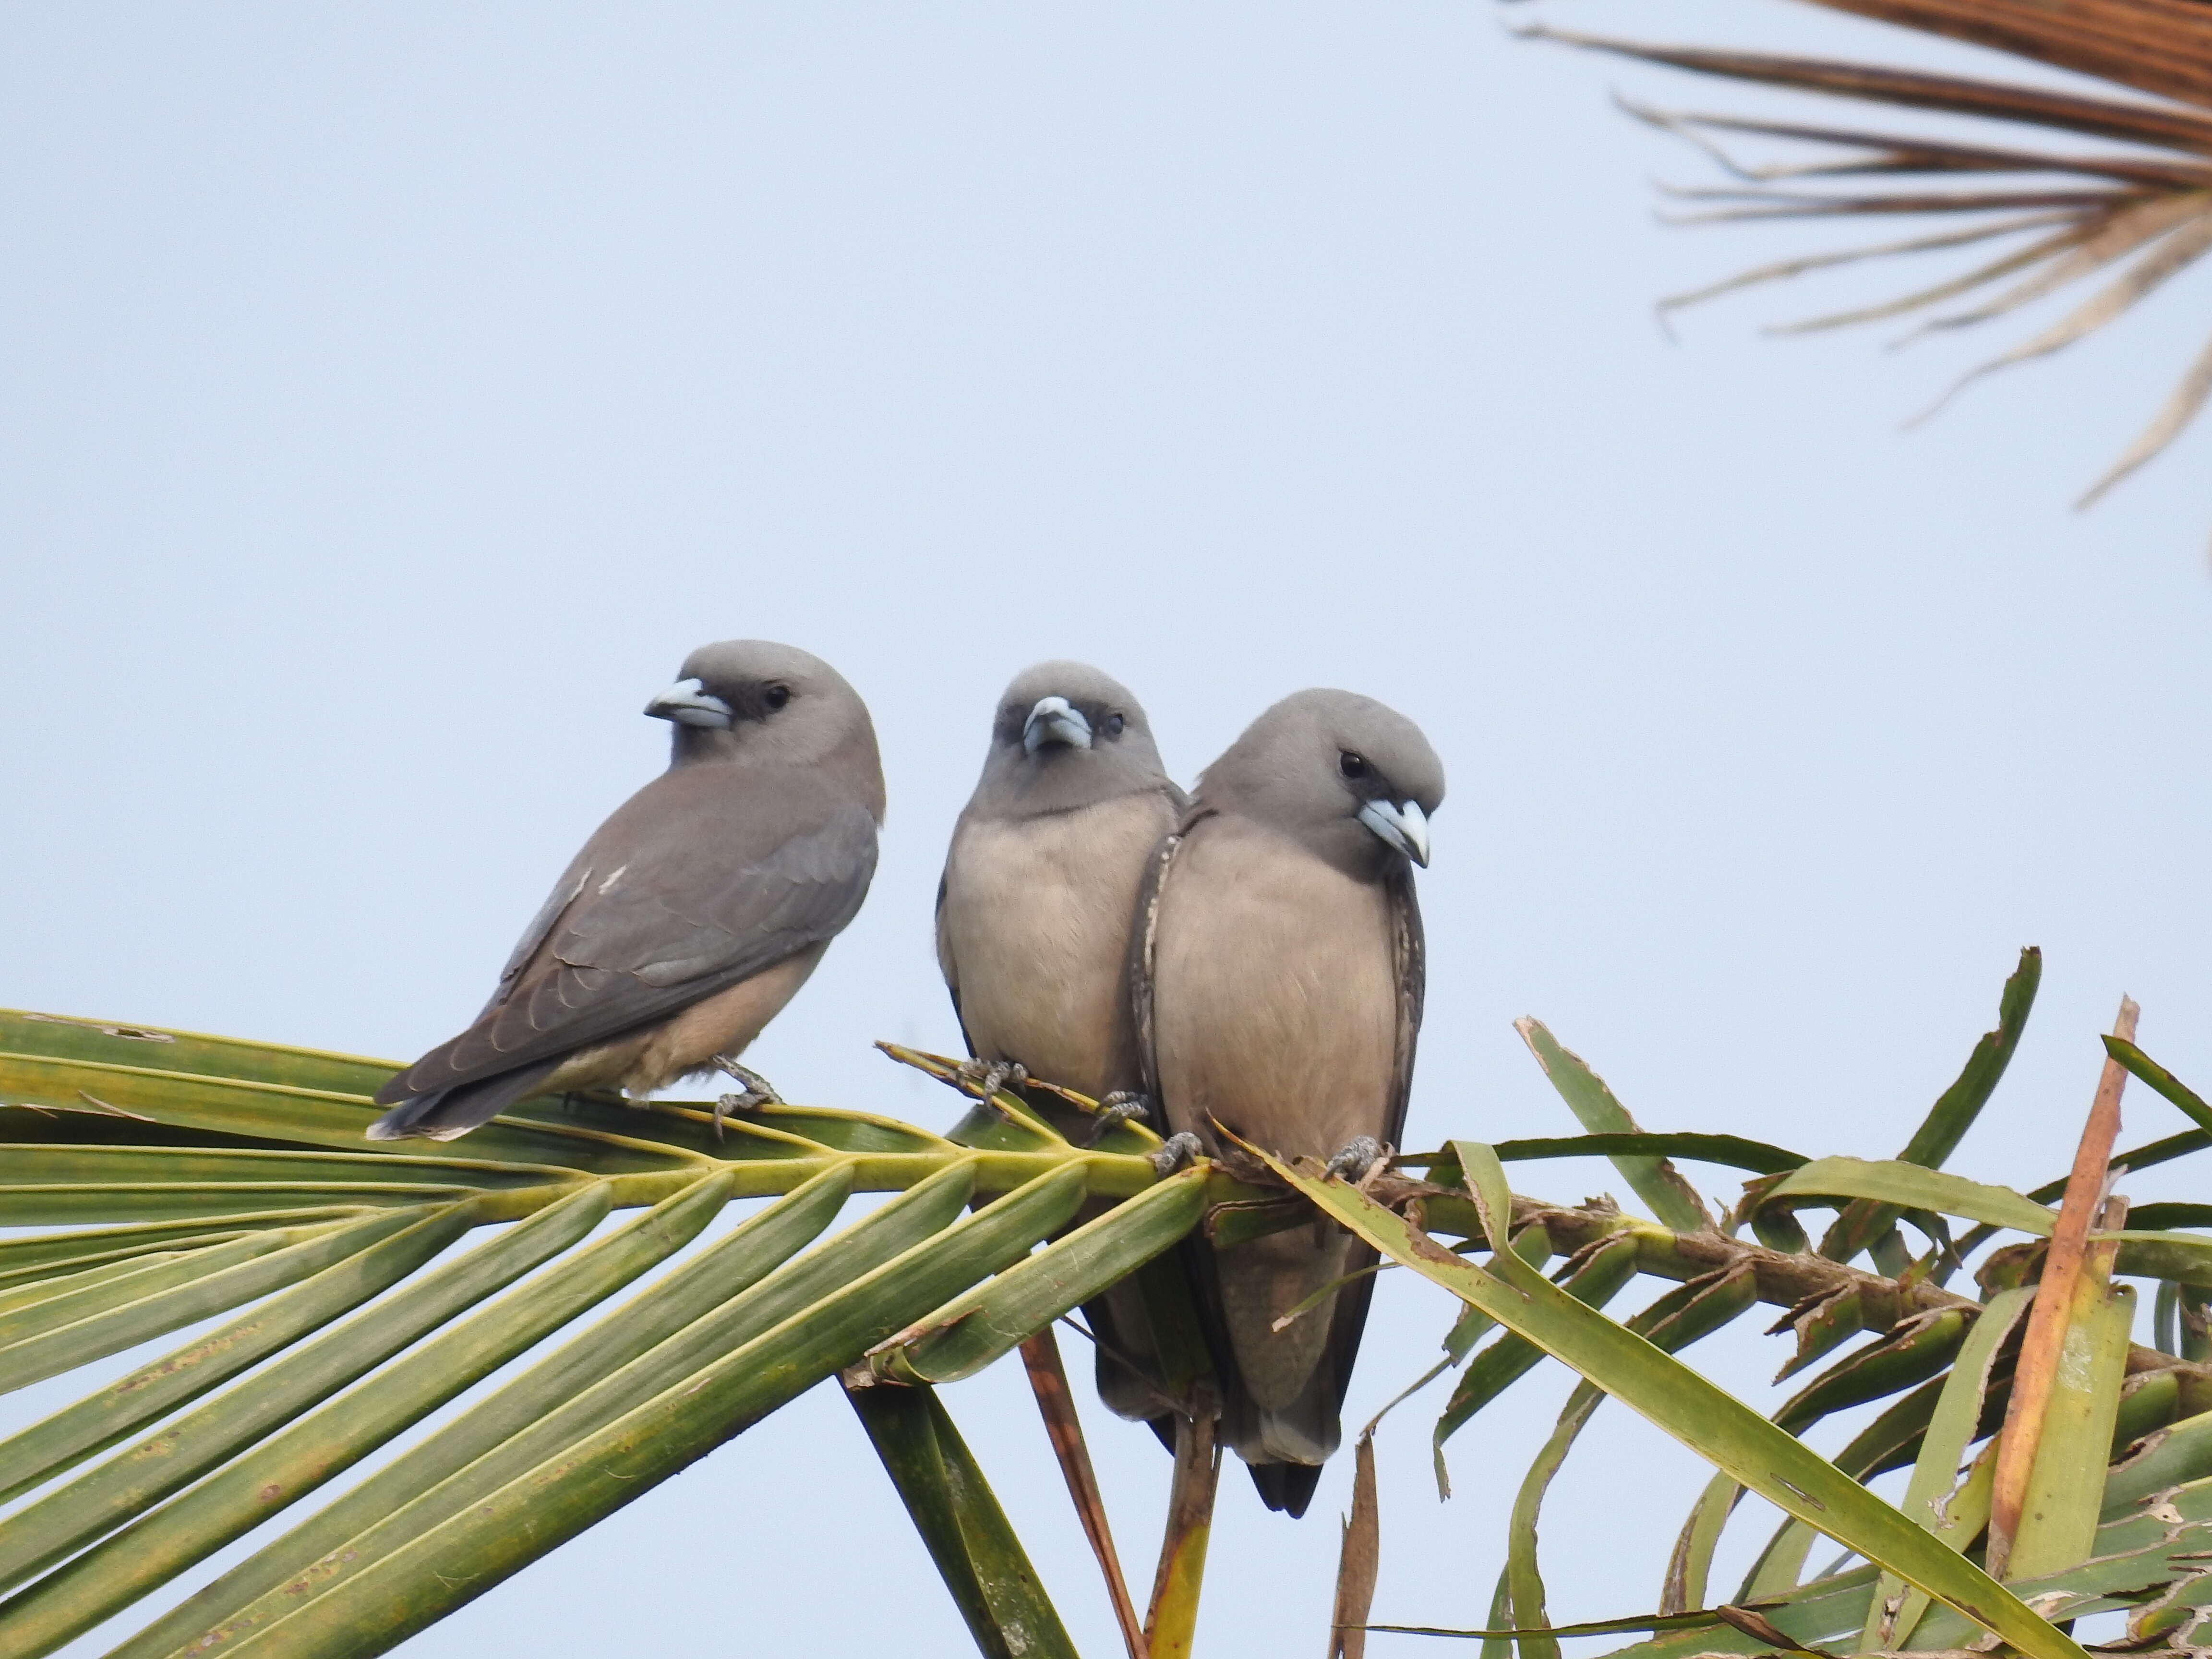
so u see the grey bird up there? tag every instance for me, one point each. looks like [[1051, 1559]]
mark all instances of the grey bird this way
[[1278, 987], [1041, 880], [692, 916], [1034, 914]]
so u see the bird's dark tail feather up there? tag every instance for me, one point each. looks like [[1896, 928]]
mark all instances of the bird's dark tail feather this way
[[444, 1113], [1286, 1486]]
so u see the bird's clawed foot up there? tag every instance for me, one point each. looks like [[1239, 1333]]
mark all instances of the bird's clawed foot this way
[[754, 1084], [1118, 1107], [988, 1076], [754, 1091], [1174, 1151], [1359, 1158]]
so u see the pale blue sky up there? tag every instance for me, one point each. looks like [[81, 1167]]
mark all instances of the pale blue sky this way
[[391, 395]]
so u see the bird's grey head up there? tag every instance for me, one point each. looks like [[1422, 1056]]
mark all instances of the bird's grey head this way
[[1344, 774], [1066, 736], [754, 700]]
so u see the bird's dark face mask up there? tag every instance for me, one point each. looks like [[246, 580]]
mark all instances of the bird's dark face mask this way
[[1056, 726], [1351, 780], [724, 717], [1062, 751], [1392, 815]]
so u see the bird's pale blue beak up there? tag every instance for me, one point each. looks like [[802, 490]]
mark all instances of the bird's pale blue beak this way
[[688, 702], [1054, 720], [1405, 828]]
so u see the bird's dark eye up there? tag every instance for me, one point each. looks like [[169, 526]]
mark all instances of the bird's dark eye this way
[[1349, 764], [776, 695], [1113, 725]]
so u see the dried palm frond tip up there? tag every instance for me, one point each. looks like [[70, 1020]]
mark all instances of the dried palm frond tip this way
[[2042, 220]]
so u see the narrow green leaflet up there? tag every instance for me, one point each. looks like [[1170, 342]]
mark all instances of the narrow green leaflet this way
[[293, 1462], [1079, 1115], [2185, 1258], [81, 1295], [1671, 1199], [1535, 1246], [1716, 1426], [374, 1253], [191, 1175], [221, 1087], [386, 1599], [71, 1169], [1888, 1443], [2140, 1549], [1731, 1150], [1691, 1562], [31, 1257], [1595, 1279], [51, 1036], [2144, 1548], [113, 1492], [1913, 1350], [968, 1333], [1953, 1112], [2146, 1157], [1700, 1621], [1956, 1108], [1891, 1182], [977, 1551], [1908, 1354], [2149, 1400], [2193, 1106], [558, 1400], [2195, 1310], [2172, 1456], [1950, 1430], [1677, 1319], [42, 1287], [2159, 1218], [1893, 1439], [50, 1352]]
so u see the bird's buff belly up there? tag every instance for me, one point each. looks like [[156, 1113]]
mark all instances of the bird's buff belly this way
[[641, 1061], [1035, 930]]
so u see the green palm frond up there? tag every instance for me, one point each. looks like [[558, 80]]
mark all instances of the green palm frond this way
[[189, 1179], [340, 1292], [2119, 1511]]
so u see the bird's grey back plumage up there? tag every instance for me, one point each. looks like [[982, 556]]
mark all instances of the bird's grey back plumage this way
[[711, 873], [1275, 797]]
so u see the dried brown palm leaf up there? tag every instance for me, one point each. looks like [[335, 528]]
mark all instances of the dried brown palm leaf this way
[[1775, 204], [2034, 253], [2160, 46], [1894, 153], [2166, 126], [2179, 409], [2129, 228], [2180, 248], [1782, 269], [2145, 210]]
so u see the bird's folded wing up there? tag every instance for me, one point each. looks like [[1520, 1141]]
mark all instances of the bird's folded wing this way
[[680, 919], [1409, 949]]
